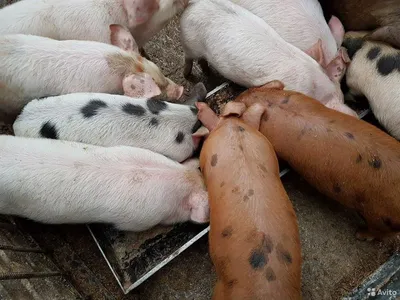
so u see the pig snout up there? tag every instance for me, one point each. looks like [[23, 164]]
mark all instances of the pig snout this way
[[174, 91]]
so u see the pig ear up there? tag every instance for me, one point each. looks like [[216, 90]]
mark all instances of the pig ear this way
[[197, 94], [337, 30], [252, 116], [317, 53], [122, 38], [202, 131], [140, 85], [140, 11], [337, 67], [386, 34], [207, 116], [234, 109]]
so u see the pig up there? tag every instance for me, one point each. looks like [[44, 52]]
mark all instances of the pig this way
[[311, 33], [114, 120], [254, 237], [246, 50], [134, 189], [380, 17], [345, 158], [87, 19], [375, 72], [35, 67]]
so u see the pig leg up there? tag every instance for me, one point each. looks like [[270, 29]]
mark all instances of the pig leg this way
[[140, 85], [187, 70], [389, 34], [204, 66]]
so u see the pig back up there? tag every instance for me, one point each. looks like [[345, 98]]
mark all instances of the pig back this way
[[254, 239], [345, 158]]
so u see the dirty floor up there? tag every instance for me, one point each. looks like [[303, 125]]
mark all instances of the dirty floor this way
[[334, 262]]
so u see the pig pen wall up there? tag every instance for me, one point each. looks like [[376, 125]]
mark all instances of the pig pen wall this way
[[334, 262]]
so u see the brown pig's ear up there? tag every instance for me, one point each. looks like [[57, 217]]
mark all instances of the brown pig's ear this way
[[252, 116], [233, 109], [275, 84]]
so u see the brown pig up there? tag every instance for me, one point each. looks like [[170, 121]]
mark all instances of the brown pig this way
[[254, 237], [364, 15], [345, 158]]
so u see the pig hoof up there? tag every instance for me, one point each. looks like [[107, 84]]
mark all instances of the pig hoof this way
[[187, 70], [364, 235], [204, 66]]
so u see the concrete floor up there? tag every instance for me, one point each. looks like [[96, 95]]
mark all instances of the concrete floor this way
[[334, 261]]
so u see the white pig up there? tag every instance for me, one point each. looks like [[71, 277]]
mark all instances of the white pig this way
[[88, 19], [113, 120], [374, 72], [35, 67], [302, 24], [65, 182], [246, 50]]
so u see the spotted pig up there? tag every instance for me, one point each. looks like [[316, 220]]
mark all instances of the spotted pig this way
[[375, 72], [113, 120], [254, 236], [34, 67], [134, 189], [345, 158]]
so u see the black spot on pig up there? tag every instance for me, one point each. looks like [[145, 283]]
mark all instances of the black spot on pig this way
[[180, 137], [154, 122], [194, 110], [134, 110], [389, 223], [241, 147], [222, 184], [196, 126], [283, 255], [250, 192], [235, 190], [263, 168], [270, 274], [133, 87], [387, 64], [375, 162], [353, 45], [49, 131], [231, 283], [257, 259], [240, 128], [336, 188], [286, 100], [227, 232], [246, 198], [267, 244], [214, 160], [90, 109], [332, 121], [156, 106], [373, 53], [328, 130], [359, 158], [349, 135]]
